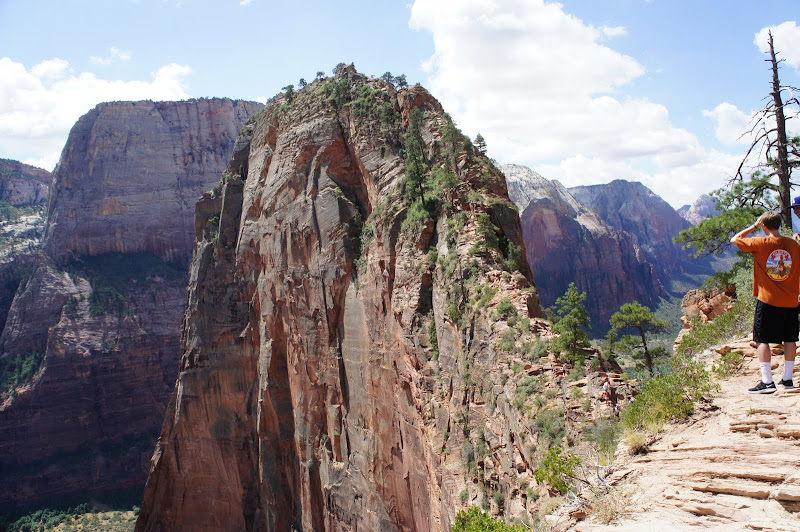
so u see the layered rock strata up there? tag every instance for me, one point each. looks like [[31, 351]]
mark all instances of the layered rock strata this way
[[100, 315], [340, 337]]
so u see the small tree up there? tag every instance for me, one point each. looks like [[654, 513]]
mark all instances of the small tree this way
[[570, 321], [416, 165], [474, 520], [558, 469], [480, 143], [637, 316], [288, 93], [302, 83]]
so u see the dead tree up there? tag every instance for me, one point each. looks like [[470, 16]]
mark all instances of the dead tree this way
[[776, 154]]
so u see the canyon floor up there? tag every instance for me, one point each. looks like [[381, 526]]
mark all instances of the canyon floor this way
[[734, 465]]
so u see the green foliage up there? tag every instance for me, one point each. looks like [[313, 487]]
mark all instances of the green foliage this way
[[70, 309], [18, 369], [526, 387], [417, 214], [505, 309], [641, 319], [737, 207], [605, 434], [487, 232], [475, 520], [106, 299], [433, 338], [558, 469], [514, 258], [480, 143], [729, 365], [551, 424], [668, 397], [569, 321], [416, 165], [454, 313]]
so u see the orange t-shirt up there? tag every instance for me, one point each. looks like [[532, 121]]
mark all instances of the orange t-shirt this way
[[776, 270]]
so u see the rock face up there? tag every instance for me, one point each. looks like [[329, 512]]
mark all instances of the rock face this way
[[338, 342], [633, 208], [133, 188], [103, 313], [697, 211], [568, 242], [23, 184]]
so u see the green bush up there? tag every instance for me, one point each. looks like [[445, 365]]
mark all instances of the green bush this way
[[16, 370], [668, 397], [505, 309], [558, 469], [526, 387], [729, 365], [474, 520], [551, 425]]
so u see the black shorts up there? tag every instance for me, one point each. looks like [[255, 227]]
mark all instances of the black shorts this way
[[775, 325]]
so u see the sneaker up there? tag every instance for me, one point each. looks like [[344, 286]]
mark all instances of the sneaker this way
[[762, 387], [787, 384]]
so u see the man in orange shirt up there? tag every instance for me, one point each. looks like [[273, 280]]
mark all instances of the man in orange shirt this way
[[776, 285]]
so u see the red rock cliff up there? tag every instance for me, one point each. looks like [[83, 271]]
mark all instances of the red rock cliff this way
[[339, 344], [106, 326]]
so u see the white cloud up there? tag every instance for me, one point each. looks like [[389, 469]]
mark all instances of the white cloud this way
[[39, 106], [115, 55], [245, 3], [614, 31], [786, 38], [732, 124], [540, 85]]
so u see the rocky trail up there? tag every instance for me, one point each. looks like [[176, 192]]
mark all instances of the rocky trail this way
[[734, 465]]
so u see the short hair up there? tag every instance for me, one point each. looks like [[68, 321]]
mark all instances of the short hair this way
[[772, 220]]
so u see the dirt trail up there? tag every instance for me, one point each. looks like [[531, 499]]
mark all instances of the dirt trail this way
[[735, 465]]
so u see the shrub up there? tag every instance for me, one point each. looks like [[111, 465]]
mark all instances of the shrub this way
[[729, 365], [558, 469], [526, 387], [668, 397], [474, 520], [505, 309], [551, 425]]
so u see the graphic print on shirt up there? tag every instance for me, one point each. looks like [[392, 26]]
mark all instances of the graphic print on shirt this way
[[779, 265]]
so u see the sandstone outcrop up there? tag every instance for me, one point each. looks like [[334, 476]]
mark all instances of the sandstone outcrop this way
[[697, 211], [132, 189], [567, 242], [339, 345], [103, 313], [23, 184]]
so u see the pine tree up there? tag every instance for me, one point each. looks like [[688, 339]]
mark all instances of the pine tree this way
[[570, 321], [637, 316]]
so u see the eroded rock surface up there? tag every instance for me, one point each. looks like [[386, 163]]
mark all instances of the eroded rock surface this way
[[337, 348], [99, 316]]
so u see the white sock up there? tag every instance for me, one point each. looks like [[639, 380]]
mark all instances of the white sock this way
[[766, 372], [788, 369]]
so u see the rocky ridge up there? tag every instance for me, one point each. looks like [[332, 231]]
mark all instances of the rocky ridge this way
[[23, 184], [98, 319], [354, 349]]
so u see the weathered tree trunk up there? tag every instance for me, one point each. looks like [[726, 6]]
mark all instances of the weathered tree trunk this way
[[782, 145]]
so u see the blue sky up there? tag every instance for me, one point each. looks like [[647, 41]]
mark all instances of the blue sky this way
[[582, 91]]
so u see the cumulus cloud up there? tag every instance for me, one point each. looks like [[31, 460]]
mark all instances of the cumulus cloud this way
[[38, 106], [786, 38], [732, 124], [115, 55], [540, 86]]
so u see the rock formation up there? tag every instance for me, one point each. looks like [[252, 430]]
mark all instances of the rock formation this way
[[23, 184], [697, 211], [99, 319], [568, 242], [346, 294], [651, 221]]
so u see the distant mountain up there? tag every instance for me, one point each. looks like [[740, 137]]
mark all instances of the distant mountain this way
[[567, 242], [22, 184], [697, 211], [632, 207]]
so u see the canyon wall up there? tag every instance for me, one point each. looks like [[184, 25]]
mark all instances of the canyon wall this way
[[99, 318], [346, 296], [23, 184]]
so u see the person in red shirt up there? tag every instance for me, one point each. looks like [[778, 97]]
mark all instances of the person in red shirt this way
[[776, 286]]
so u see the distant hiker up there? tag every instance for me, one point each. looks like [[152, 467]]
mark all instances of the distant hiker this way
[[776, 285]]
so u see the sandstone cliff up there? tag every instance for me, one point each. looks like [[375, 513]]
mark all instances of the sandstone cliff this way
[[340, 366], [93, 336], [133, 188], [23, 184], [568, 242]]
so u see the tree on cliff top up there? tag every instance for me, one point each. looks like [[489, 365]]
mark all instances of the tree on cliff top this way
[[767, 185]]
